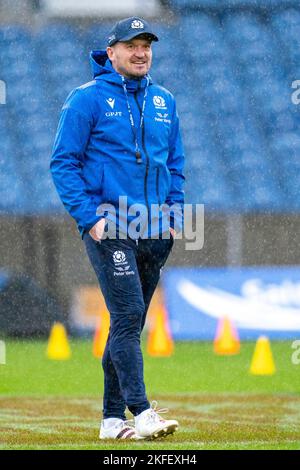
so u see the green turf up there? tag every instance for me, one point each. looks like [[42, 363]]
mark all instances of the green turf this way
[[218, 403], [193, 368]]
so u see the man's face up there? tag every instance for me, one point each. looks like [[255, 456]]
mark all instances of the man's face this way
[[133, 58]]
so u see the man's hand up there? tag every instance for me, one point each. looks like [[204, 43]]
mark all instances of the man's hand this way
[[173, 233], [96, 232]]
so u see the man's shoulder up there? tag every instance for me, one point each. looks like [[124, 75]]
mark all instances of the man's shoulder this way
[[86, 89], [162, 98], [156, 89], [81, 94], [87, 85], [82, 99]]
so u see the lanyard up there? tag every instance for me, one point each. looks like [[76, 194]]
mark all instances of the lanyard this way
[[134, 129]]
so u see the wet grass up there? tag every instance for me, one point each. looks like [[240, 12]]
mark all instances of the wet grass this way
[[219, 405], [206, 422]]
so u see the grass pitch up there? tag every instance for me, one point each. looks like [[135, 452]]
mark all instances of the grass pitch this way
[[219, 405]]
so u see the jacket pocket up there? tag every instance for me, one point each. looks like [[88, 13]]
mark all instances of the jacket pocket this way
[[123, 180]]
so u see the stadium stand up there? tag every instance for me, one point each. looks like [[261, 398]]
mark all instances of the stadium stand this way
[[231, 73]]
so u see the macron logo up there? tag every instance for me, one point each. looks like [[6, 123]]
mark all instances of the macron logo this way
[[111, 102]]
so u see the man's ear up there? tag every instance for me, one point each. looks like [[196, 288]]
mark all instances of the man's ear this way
[[109, 51]]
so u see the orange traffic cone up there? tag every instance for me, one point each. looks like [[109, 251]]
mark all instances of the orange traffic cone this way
[[226, 340], [101, 334], [160, 342], [58, 346], [262, 361]]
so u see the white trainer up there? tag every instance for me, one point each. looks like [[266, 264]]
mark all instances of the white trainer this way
[[150, 425], [115, 428]]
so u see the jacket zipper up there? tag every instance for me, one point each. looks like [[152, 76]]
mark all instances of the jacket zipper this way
[[147, 161]]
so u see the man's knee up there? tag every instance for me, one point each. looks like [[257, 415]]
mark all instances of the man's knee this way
[[106, 359], [128, 321]]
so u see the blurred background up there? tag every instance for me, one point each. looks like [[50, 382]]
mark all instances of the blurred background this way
[[230, 65]]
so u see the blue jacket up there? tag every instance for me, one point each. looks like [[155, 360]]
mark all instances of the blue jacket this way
[[94, 160]]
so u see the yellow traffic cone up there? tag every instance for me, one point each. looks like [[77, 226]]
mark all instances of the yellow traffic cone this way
[[226, 340], [58, 346], [101, 334], [262, 361], [160, 342]]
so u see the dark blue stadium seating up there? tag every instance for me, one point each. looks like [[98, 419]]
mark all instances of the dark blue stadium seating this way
[[218, 4], [231, 74]]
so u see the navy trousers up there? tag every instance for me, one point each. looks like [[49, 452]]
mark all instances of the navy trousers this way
[[128, 273]]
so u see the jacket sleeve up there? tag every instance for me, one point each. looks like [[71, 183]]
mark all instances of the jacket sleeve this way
[[175, 165], [67, 160]]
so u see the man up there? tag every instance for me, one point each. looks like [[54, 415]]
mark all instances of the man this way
[[118, 136]]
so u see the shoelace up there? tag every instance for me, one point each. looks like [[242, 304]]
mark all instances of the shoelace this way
[[155, 412]]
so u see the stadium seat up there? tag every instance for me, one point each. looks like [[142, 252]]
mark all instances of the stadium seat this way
[[231, 75]]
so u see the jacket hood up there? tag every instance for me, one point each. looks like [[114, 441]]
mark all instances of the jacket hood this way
[[103, 69], [98, 61]]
